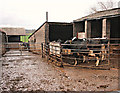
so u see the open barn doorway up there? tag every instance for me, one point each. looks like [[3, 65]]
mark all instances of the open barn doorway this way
[[14, 38], [60, 31], [96, 29], [115, 27]]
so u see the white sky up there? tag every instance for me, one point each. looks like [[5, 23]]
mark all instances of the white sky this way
[[30, 14]]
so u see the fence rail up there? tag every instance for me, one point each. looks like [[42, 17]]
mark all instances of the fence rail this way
[[93, 55], [73, 54]]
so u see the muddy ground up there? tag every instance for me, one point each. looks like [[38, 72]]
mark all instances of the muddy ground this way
[[29, 72]]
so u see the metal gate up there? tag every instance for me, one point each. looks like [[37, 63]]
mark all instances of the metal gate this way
[[20, 49], [105, 55]]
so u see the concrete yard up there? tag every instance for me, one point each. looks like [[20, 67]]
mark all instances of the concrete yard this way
[[29, 72]]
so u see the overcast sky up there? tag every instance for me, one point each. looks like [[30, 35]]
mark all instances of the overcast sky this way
[[30, 14]]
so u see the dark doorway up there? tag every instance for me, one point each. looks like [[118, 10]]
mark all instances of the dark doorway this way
[[115, 27], [13, 38], [78, 27], [96, 29], [60, 31]]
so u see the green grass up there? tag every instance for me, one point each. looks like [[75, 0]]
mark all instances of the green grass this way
[[25, 38]]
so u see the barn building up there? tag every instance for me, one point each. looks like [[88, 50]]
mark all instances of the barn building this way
[[51, 31], [103, 24], [99, 25], [14, 34]]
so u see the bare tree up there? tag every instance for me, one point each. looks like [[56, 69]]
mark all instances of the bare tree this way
[[103, 6]]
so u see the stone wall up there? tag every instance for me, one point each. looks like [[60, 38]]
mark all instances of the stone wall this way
[[37, 38]]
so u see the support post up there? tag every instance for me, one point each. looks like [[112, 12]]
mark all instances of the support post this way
[[109, 52], [87, 29], [104, 27], [61, 55], [108, 29]]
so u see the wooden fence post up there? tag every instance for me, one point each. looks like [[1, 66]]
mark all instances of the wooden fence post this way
[[109, 51], [21, 50], [47, 50], [61, 55], [42, 49]]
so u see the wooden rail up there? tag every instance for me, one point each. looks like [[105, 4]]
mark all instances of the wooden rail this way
[[104, 53]]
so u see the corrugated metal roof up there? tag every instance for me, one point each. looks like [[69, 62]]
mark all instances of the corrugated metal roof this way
[[100, 14], [14, 31]]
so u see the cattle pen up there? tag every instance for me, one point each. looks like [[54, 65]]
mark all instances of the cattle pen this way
[[94, 55]]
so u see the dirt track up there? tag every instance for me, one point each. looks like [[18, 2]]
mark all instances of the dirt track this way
[[30, 72]]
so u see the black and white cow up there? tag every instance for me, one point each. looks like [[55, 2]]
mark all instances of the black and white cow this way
[[86, 48]]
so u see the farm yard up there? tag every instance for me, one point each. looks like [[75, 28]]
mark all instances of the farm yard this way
[[29, 72], [83, 55]]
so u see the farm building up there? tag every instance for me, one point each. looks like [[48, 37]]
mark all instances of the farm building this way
[[51, 31], [99, 25], [14, 34], [103, 24]]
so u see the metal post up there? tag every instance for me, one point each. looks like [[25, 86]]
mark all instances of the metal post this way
[[108, 51], [61, 55], [20, 49], [47, 53], [42, 49]]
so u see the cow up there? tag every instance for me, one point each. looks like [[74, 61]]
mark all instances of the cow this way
[[85, 48]]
